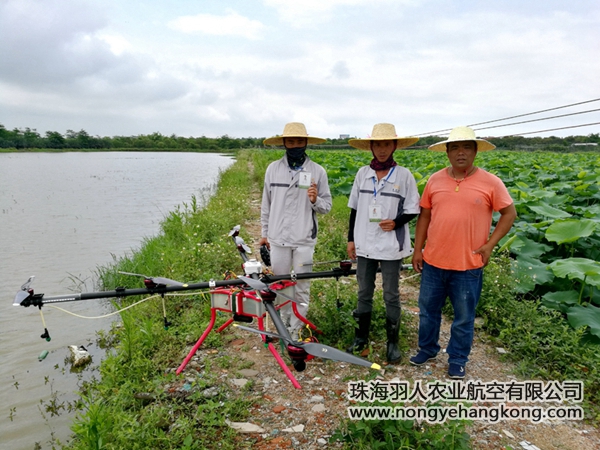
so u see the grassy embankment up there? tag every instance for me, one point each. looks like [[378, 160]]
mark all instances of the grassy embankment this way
[[194, 246]]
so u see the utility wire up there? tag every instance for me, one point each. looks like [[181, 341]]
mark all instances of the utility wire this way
[[552, 129], [415, 147], [511, 117], [536, 112], [538, 120]]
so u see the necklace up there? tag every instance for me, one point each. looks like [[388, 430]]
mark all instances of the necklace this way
[[456, 189]]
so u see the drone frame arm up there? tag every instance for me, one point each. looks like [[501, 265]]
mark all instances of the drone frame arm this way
[[41, 299]]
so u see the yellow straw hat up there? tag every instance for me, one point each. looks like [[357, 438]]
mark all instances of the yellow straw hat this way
[[463, 134], [382, 132], [293, 129]]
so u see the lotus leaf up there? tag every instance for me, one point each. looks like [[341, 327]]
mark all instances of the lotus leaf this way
[[578, 269], [549, 211], [569, 230], [560, 186], [561, 300], [529, 272], [526, 247], [539, 193], [581, 316]]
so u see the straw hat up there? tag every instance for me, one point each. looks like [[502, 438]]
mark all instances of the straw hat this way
[[382, 132], [463, 134], [293, 129]]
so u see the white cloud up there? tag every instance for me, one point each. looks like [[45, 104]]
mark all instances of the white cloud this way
[[231, 24], [44, 43], [117, 43], [303, 13]]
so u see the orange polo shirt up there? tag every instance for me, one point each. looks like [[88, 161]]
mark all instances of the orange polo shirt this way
[[460, 220]]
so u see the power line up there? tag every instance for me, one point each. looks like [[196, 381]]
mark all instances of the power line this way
[[414, 147], [536, 112], [512, 117], [552, 129], [538, 120]]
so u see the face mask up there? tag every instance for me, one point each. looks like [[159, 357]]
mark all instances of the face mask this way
[[388, 164], [296, 156]]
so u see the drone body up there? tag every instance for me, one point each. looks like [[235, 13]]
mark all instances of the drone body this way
[[254, 296]]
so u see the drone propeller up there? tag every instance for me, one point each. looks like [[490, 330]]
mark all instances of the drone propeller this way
[[24, 292], [240, 243], [260, 286], [153, 282], [234, 231], [316, 349], [156, 280]]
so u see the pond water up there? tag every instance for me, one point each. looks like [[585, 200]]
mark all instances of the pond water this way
[[63, 215]]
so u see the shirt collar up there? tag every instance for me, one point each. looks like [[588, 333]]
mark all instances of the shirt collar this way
[[372, 174]]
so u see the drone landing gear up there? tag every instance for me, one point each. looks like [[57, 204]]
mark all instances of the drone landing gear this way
[[298, 356], [299, 365]]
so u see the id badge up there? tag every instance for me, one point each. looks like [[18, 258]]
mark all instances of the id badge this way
[[304, 180], [375, 213]]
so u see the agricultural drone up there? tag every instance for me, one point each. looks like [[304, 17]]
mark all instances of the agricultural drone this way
[[255, 295]]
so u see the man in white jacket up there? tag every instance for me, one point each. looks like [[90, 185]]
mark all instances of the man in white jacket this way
[[383, 200], [296, 189]]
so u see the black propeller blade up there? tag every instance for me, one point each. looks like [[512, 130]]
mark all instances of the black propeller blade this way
[[156, 280]]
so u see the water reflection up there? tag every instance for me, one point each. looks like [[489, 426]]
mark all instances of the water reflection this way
[[61, 217]]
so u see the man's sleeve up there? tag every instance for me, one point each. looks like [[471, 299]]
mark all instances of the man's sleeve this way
[[502, 197], [353, 199], [265, 206], [426, 197], [323, 203], [411, 202], [351, 224]]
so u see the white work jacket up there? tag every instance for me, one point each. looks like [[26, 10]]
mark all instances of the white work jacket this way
[[396, 194], [288, 218]]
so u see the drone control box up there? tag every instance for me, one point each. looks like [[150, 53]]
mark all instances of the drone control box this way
[[221, 298], [252, 266], [246, 302]]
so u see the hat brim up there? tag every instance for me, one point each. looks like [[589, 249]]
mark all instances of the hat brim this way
[[278, 140], [482, 145], [365, 144]]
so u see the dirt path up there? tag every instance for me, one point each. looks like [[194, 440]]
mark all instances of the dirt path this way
[[305, 418]]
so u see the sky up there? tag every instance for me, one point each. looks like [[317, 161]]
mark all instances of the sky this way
[[245, 68]]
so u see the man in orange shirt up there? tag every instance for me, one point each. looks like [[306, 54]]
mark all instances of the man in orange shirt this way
[[455, 221]]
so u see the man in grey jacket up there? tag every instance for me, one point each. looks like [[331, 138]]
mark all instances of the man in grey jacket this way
[[296, 189]]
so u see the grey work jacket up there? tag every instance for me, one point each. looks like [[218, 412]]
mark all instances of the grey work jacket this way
[[288, 217]]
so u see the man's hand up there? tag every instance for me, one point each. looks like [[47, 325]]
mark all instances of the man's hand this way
[[351, 248], [313, 192], [417, 261], [264, 241], [387, 225], [485, 251], [507, 218]]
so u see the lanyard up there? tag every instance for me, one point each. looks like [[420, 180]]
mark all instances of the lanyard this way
[[295, 172], [384, 181]]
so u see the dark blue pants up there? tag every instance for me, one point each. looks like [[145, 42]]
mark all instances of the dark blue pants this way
[[464, 290]]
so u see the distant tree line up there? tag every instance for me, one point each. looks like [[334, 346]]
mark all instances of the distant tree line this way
[[81, 140]]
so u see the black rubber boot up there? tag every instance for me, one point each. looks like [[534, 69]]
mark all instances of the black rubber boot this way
[[361, 334], [393, 351]]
